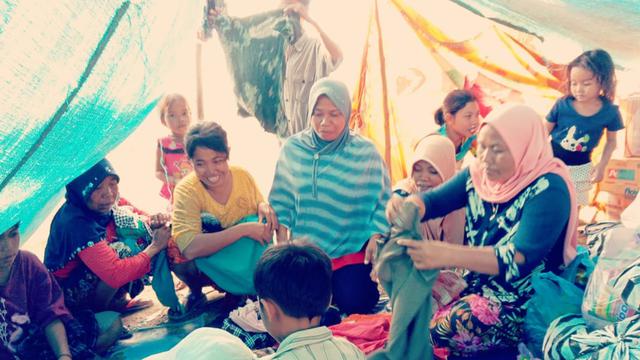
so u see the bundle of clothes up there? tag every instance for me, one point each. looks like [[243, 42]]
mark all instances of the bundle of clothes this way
[[599, 318]]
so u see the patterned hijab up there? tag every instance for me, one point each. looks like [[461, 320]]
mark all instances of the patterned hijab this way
[[76, 227]]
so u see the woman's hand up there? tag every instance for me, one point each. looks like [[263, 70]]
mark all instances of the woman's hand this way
[[370, 256], [265, 212], [393, 206], [282, 235], [371, 252], [161, 237], [396, 201], [159, 220], [427, 254], [214, 13], [258, 231], [299, 9]]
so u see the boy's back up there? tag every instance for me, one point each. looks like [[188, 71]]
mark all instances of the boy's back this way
[[316, 343], [293, 284]]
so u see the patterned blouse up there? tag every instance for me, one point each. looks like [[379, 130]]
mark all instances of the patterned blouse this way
[[532, 223]]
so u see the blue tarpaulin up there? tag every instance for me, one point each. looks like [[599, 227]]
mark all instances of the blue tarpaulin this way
[[77, 78]]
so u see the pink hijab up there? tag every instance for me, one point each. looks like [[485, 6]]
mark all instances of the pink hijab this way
[[440, 152], [522, 130]]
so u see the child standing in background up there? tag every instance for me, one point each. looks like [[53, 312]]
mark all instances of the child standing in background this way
[[577, 121], [172, 163]]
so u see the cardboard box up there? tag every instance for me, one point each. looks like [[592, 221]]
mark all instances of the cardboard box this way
[[615, 205], [630, 110], [620, 185], [622, 178]]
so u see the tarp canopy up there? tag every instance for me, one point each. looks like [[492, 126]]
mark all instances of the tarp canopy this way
[[613, 25], [498, 60], [77, 78]]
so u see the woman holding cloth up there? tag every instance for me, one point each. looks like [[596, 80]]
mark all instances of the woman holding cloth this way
[[521, 217]]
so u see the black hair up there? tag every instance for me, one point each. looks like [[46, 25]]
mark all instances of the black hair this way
[[454, 102], [297, 277], [207, 134], [600, 63]]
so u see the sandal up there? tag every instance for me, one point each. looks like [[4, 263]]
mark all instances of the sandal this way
[[125, 333], [133, 305], [192, 306], [136, 305]]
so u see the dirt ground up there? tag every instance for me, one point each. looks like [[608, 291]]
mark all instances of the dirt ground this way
[[156, 315]]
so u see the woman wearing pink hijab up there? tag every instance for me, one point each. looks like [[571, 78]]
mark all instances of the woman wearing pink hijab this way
[[433, 162], [521, 217]]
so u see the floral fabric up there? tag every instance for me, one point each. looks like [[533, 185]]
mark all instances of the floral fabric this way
[[476, 324]]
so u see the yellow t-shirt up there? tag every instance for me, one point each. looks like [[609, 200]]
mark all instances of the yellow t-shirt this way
[[190, 199]]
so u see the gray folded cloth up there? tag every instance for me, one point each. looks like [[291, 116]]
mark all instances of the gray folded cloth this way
[[409, 290]]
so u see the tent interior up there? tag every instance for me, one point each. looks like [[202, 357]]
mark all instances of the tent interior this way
[[81, 81]]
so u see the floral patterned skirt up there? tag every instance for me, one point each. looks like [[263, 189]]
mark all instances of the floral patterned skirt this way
[[475, 324]]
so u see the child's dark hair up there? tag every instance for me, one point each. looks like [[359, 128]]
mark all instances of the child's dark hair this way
[[297, 277], [454, 102], [166, 102], [600, 63], [207, 134]]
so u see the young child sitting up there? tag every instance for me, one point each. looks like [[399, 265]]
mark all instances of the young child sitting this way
[[293, 283]]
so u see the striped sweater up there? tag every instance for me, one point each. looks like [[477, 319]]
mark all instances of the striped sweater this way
[[352, 188]]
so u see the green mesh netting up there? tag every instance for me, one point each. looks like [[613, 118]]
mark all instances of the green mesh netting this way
[[77, 78]]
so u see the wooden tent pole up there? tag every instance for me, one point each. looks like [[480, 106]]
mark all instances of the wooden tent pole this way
[[385, 95], [199, 102]]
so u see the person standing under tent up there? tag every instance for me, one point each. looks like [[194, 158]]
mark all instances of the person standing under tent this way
[[576, 121], [308, 59], [172, 163]]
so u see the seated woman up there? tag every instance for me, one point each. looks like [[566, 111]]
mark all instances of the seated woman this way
[[433, 162], [34, 322], [210, 212], [458, 118], [90, 249], [520, 217], [331, 187]]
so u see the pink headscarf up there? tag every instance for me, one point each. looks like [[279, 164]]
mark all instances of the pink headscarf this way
[[522, 130], [440, 152]]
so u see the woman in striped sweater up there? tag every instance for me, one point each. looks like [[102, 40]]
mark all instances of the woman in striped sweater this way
[[331, 187]]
